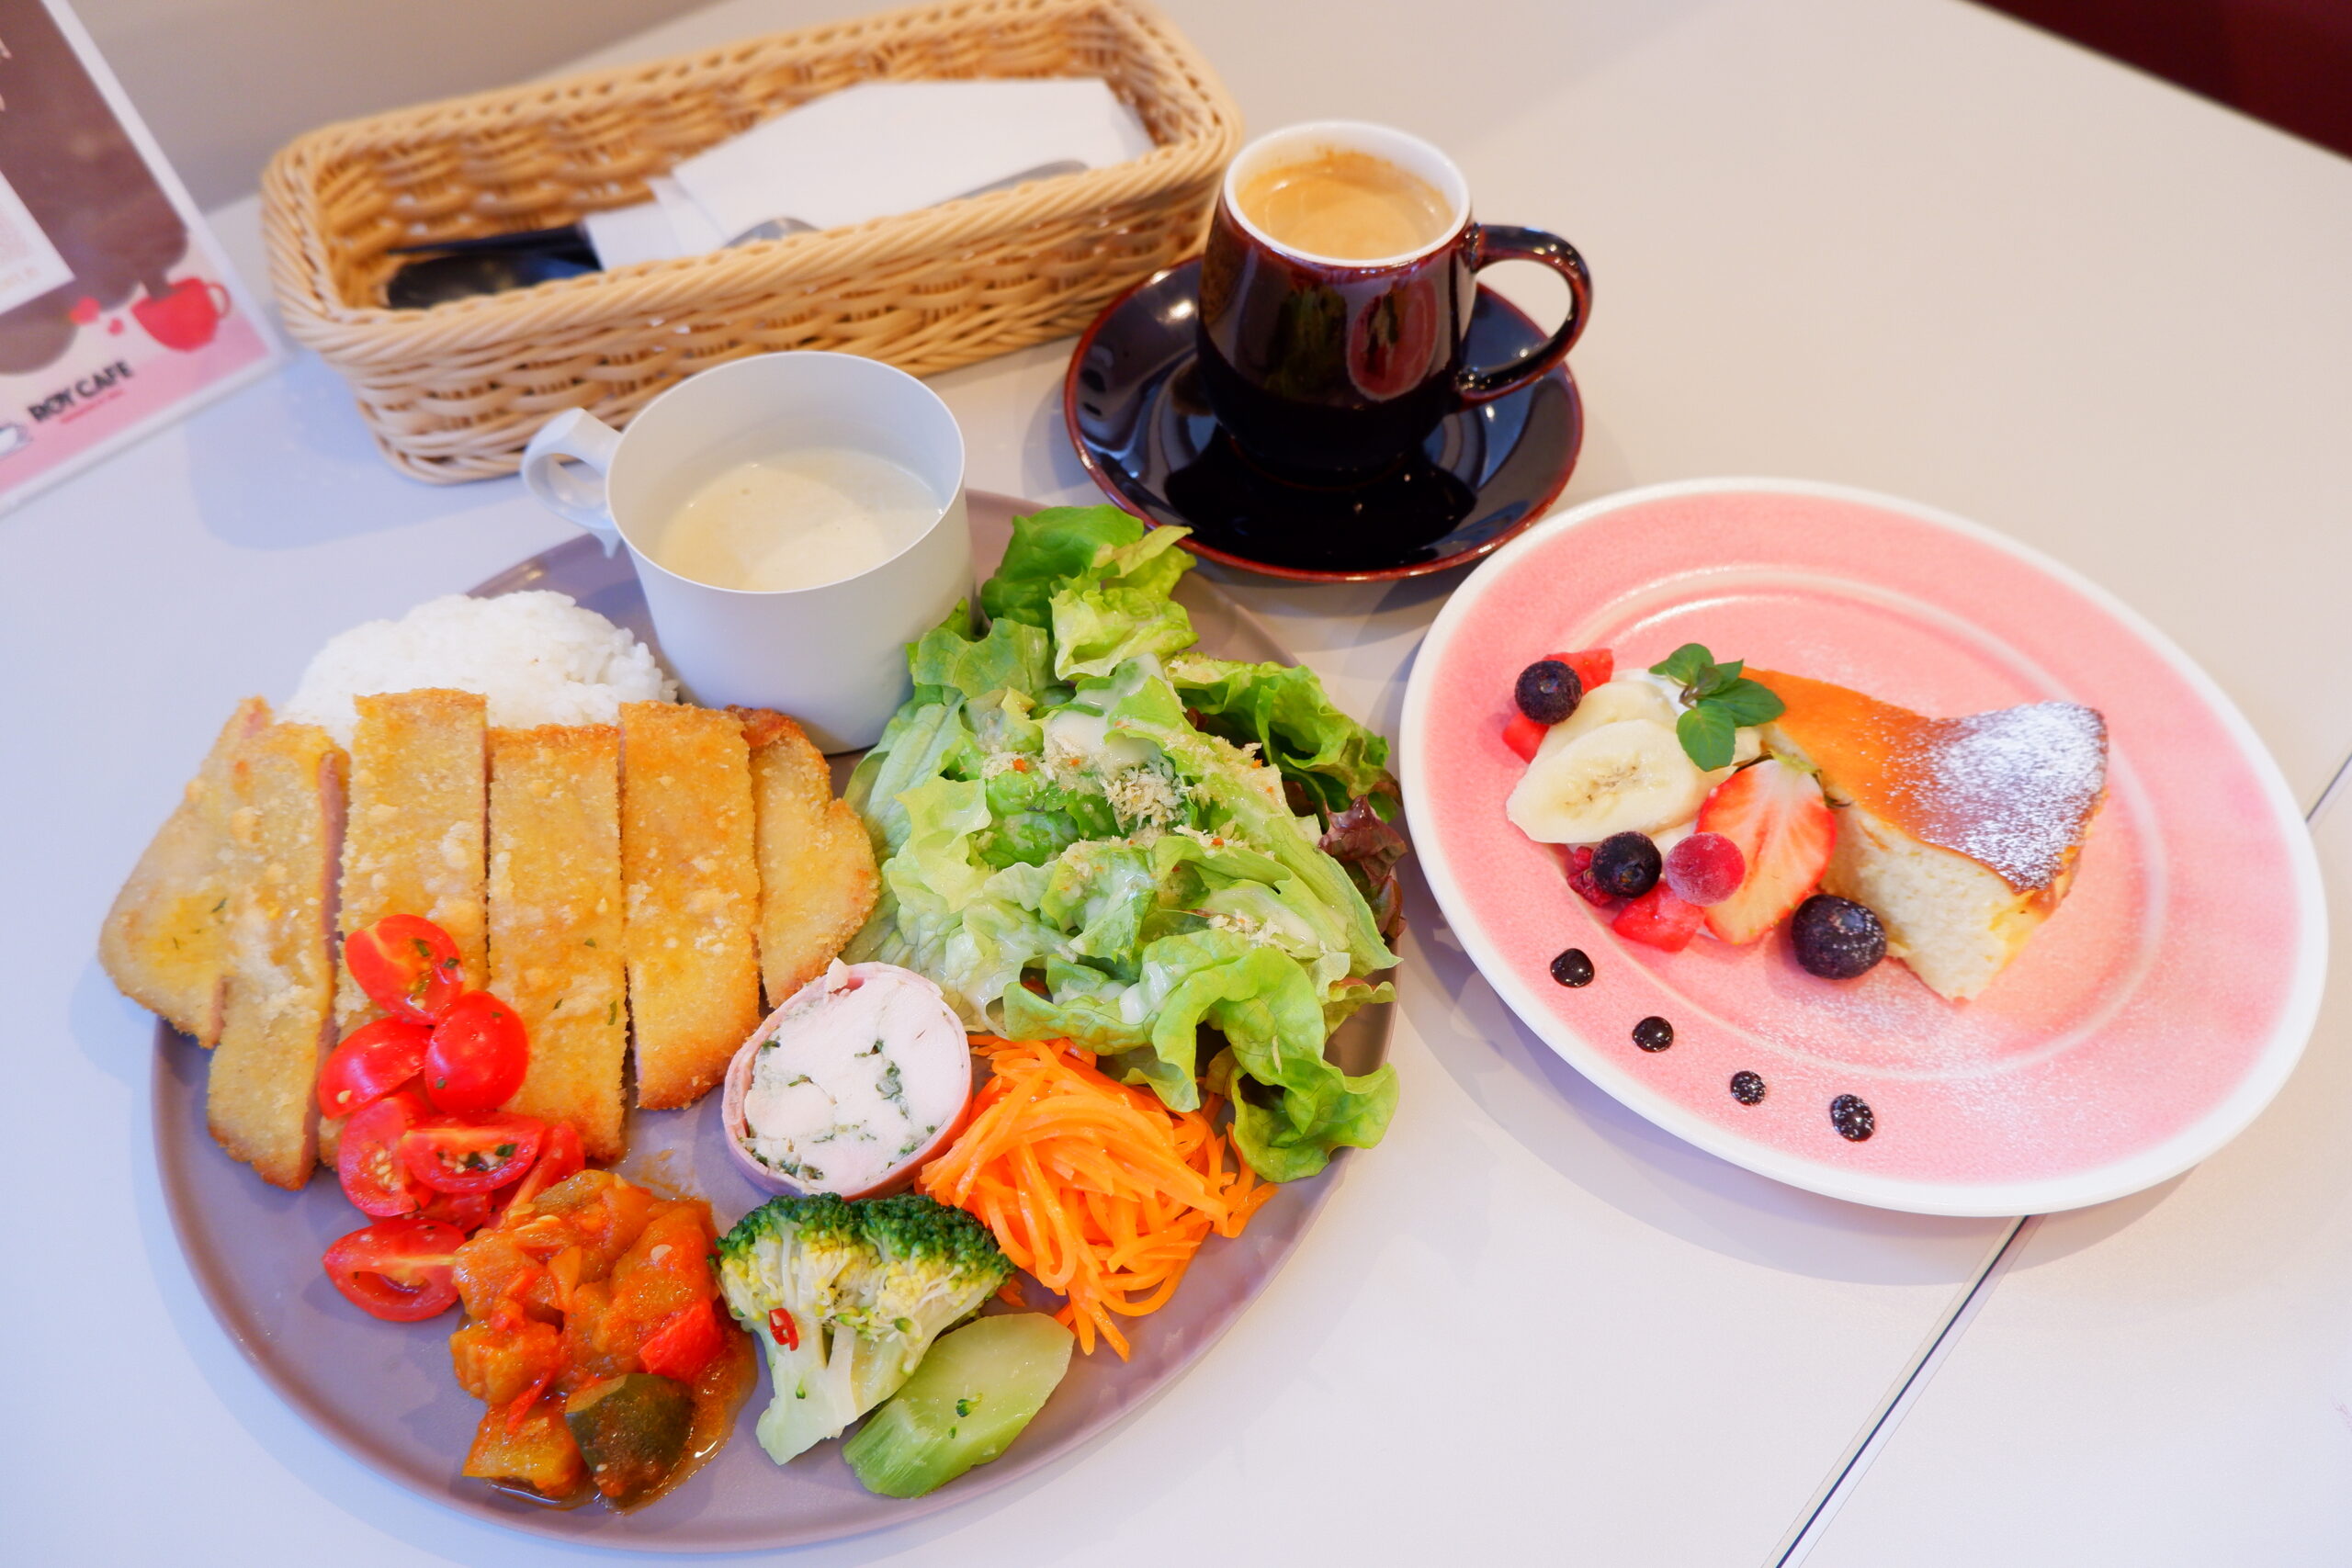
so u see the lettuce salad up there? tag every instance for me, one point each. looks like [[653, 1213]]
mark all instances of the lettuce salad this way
[[1086, 828]]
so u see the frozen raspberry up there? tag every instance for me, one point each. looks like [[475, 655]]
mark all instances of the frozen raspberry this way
[[1705, 868], [1581, 877]]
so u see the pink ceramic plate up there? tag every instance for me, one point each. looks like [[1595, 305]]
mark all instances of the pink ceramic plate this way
[[383, 1390], [2147, 1021]]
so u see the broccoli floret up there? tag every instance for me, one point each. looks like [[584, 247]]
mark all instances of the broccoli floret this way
[[868, 1284]]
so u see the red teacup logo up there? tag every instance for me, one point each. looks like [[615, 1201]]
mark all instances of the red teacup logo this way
[[185, 316]]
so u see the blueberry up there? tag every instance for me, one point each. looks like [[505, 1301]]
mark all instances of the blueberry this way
[[1626, 864], [1572, 968], [1652, 1035], [1837, 938], [1854, 1118], [1747, 1088], [1548, 691]]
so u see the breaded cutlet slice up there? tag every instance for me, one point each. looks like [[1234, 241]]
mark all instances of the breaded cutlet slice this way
[[286, 800], [415, 841], [555, 920], [166, 942], [817, 880], [693, 890]]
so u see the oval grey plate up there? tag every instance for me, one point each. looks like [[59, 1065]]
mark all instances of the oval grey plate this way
[[384, 1391]]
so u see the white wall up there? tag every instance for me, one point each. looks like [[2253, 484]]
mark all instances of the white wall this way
[[224, 83]]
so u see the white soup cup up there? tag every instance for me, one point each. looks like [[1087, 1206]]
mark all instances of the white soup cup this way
[[833, 656]]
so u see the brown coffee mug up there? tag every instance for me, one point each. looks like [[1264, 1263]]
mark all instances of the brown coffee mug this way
[[1330, 369]]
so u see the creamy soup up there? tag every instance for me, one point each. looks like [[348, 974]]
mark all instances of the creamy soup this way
[[797, 519]]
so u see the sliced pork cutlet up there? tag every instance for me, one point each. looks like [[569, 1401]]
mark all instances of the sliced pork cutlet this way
[[415, 841], [285, 813], [166, 942], [817, 880], [556, 932], [692, 895]]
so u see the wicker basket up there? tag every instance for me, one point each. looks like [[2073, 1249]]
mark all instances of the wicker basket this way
[[453, 393]]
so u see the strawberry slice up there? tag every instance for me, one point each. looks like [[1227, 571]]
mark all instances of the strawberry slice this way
[[1594, 666], [1523, 735], [1774, 812], [1658, 919]]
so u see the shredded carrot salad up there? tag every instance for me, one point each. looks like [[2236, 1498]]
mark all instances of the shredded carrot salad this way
[[1093, 1186]]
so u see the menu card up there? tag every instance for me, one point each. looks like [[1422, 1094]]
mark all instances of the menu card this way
[[117, 311]]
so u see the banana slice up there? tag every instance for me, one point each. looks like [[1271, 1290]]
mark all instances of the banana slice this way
[[1611, 702], [1626, 776]]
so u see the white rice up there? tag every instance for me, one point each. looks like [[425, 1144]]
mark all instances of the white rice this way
[[540, 658]]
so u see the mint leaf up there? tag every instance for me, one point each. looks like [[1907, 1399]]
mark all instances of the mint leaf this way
[[1723, 675], [1746, 702], [1719, 700], [1707, 735], [1686, 664]]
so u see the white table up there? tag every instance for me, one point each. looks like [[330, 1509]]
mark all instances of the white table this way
[[2164, 1378], [1896, 242]]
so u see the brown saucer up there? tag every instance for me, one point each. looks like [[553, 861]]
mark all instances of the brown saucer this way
[[1132, 404]]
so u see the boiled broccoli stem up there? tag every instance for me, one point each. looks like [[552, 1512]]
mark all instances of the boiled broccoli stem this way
[[866, 1286]]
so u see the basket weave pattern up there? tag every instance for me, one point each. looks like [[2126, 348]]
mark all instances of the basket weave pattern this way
[[455, 391]]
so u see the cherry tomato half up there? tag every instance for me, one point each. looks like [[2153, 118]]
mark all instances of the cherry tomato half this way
[[373, 1060], [375, 1177], [471, 1154], [464, 1212], [398, 1269], [407, 965], [477, 1056], [560, 1158]]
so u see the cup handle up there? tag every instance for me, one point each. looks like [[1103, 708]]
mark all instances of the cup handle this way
[[219, 297], [579, 434], [1507, 241]]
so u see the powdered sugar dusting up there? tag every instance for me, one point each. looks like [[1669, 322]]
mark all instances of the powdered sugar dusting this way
[[2011, 789]]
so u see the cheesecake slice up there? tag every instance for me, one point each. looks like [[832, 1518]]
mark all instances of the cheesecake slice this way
[[1962, 834]]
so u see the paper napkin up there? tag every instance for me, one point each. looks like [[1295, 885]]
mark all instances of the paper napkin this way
[[868, 151]]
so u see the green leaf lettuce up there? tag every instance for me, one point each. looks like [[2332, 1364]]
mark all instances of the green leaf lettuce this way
[[1067, 853]]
